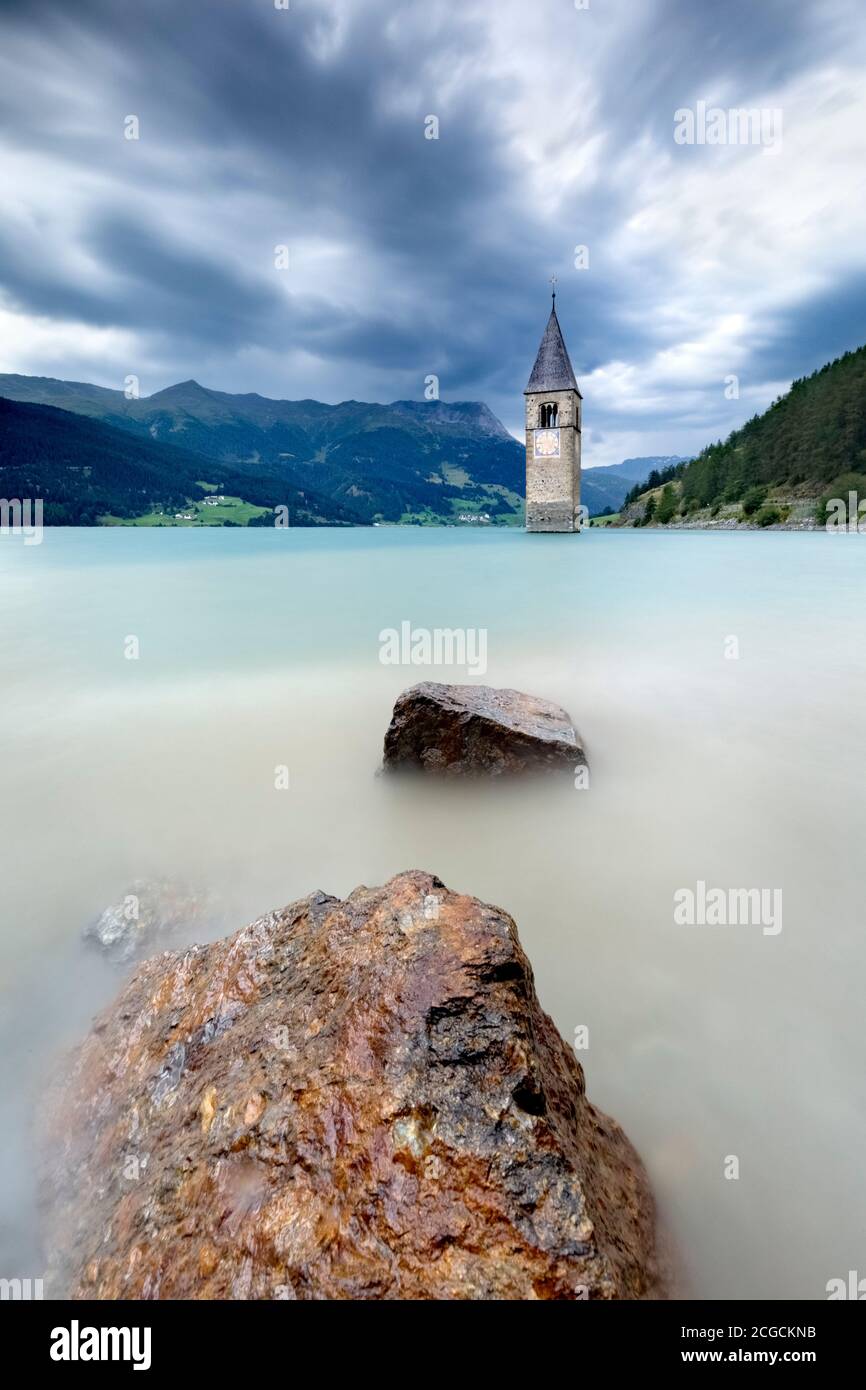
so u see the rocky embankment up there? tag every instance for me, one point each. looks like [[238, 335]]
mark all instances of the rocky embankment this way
[[476, 729], [346, 1099], [793, 513]]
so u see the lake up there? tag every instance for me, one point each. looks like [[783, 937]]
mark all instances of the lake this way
[[719, 684]]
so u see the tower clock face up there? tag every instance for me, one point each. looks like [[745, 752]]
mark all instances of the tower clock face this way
[[546, 444]]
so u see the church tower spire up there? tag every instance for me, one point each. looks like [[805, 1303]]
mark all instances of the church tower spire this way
[[553, 425]]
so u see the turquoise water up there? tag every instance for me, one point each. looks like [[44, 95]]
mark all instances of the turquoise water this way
[[260, 650]]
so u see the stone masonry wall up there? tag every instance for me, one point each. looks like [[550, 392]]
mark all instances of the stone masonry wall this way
[[553, 484]]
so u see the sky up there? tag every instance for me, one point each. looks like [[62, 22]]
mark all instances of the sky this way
[[713, 274]]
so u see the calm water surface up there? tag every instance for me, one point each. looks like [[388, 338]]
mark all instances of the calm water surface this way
[[261, 648]]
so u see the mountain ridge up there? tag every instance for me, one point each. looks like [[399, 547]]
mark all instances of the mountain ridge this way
[[428, 461], [88, 473], [408, 461]]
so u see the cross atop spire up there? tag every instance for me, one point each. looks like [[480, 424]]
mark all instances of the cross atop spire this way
[[553, 283]]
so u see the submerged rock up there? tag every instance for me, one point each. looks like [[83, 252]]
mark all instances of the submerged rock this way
[[356, 1099], [149, 913], [477, 729]]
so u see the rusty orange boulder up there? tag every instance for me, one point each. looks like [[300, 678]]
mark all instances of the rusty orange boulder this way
[[356, 1099]]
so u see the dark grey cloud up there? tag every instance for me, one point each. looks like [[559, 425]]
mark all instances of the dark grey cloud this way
[[816, 330]]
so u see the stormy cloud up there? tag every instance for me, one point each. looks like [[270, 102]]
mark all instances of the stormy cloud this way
[[305, 128]]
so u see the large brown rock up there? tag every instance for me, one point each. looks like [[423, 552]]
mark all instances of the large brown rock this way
[[357, 1099], [478, 729]]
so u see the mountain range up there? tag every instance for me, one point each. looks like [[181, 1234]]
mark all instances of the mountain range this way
[[88, 473], [92, 454], [603, 489]]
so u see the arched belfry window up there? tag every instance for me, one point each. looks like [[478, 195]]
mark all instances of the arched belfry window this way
[[549, 415]]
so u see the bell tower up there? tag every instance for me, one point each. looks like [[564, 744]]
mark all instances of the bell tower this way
[[553, 421]]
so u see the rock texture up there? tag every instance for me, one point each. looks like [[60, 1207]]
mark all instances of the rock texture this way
[[149, 912], [476, 729], [347, 1099]]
